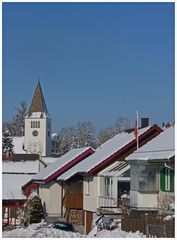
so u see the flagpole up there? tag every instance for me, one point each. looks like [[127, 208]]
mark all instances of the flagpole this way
[[137, 141]]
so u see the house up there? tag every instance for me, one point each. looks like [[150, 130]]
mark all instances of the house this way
[[25, 162], [51, 191], [152, 173], [96, 177], [15, 174]]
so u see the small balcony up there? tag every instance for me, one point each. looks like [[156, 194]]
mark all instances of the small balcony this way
[[107, 202], [112, 205]]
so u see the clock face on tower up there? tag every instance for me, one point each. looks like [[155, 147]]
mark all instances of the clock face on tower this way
[[35, 133]]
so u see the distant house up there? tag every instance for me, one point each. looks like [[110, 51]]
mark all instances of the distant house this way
[[101, 177], [152, 173], [15, 174], [51, 191]]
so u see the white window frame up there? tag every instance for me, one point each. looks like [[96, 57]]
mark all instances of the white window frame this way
[[87, 192]]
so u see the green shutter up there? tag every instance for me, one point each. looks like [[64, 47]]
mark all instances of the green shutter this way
[[12, 212], [164, 173], [162, 180], [172, 181]]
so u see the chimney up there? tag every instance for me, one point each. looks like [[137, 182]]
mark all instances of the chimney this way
[[144, 122]]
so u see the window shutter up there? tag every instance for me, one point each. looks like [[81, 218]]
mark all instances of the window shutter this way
[[162, 180], [172, 181], [167, 180], [12, 212]]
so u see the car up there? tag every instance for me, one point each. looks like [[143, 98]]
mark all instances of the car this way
[[64, 226]]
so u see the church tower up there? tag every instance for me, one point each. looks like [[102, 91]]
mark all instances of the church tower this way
[[38, 126]]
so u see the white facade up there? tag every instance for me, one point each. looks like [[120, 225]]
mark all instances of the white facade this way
[[38, 136], [90, 193], [143, 200], [146, 198], [102, 190], [51, 198]]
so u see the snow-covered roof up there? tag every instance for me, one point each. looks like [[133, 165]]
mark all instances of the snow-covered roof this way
[[102, 153], [20, 166], [59, 163], [18, 143], [116, 170], [48, 160], [161, 147], [12, 184]]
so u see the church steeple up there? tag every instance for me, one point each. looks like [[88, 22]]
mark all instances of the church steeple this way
[[38, 125], [38, 102]]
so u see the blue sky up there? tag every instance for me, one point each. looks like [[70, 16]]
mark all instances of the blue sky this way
[[97, 61]]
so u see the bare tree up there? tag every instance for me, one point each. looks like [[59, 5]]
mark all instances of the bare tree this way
[[105, 134], [121, 124], [17, 125]]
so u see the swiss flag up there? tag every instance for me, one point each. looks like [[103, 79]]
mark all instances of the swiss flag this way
[[136, 130]]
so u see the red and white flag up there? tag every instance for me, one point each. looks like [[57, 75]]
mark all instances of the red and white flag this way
[[136, 129]]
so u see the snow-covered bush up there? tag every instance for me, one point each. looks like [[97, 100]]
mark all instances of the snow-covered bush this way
[[33, 210]]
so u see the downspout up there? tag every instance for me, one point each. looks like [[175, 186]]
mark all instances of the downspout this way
[[62, 200]]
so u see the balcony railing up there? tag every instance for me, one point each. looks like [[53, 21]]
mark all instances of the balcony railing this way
[[107, 202]]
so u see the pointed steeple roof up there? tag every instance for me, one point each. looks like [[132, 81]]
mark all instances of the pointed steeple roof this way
[[38, 104]]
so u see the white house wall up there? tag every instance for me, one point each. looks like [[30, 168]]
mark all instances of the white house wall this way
[[90, 198], [143, 200], [51, 198]]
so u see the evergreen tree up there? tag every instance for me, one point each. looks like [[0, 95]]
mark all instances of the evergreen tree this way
[[7, 142], [33, 210]]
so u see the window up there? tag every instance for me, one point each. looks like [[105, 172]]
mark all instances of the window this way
[[108, 186], [167, 180], [33, 190], [12, 212], [35, 124], [87, 187], [148, 178]]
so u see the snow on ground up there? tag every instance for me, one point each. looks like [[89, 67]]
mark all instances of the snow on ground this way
[[117, 233], [35, 231]]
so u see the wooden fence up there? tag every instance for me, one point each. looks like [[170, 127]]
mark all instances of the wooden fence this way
[[150, 226]]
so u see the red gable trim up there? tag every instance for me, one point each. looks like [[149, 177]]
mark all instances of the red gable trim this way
[[63, 169], [69, 165], [154, 128]]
